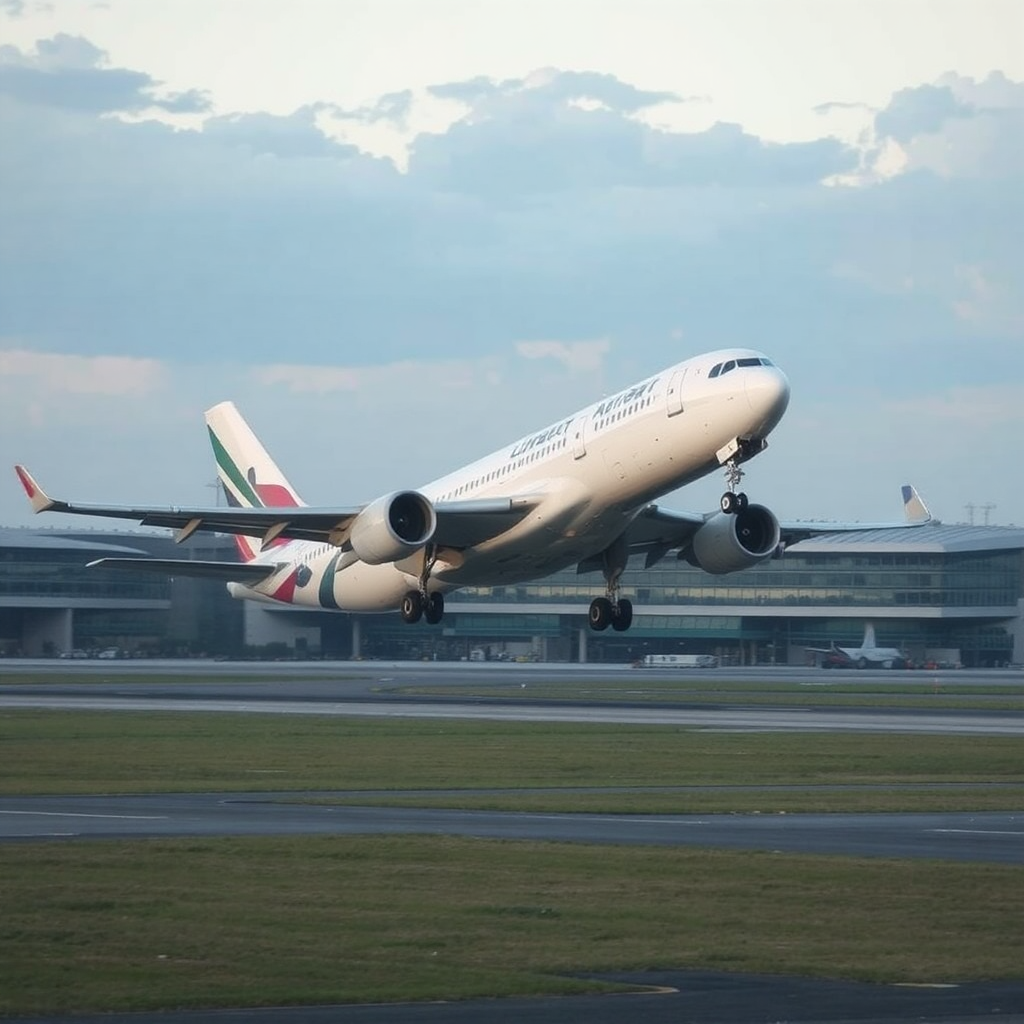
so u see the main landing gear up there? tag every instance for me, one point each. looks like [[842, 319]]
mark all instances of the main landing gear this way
[[417, 604], [612, 610]]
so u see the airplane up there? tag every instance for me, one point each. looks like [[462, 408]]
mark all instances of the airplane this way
[[580, 491], [869, 653]]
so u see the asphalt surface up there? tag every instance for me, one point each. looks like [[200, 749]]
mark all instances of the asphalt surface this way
[[671, 997], [992, 837]]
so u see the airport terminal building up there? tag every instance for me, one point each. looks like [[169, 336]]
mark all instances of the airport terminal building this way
[[951, 594]]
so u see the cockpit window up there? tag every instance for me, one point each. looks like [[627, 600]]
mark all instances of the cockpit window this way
[[766, 362], [749, 361], [715, 370], [730, 365]]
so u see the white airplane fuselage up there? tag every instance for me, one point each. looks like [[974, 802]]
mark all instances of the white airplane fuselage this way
[[591, 471]]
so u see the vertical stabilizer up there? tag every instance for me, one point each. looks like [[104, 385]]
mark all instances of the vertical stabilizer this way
[[869, 637], [249, 476]]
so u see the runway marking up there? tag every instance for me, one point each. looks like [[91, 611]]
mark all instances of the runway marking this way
[[978, 832], [79, 814], [41, 835]]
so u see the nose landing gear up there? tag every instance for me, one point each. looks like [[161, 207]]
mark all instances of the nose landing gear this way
[[733, 501]]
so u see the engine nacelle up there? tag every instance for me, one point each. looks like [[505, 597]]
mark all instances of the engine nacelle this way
[[728, 543], [393, 527]]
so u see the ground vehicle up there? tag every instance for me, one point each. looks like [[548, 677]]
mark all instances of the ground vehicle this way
[[678, 661]]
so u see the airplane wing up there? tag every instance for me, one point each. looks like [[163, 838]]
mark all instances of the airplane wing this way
[[459, 523], [657, 531], [915, 513], [238, 572]]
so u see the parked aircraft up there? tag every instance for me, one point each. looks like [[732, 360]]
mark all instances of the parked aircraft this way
[[580, 491], [869, 653]]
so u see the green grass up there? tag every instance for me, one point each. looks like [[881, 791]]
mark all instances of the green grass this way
[[98, 925], [128, 752], [143, 925], [848, 689]]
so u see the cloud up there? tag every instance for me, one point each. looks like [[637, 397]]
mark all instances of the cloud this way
[[917, 111], [957, 128], [440, 311], [991, 407], [393, 107], [67, 72], [56, 374], [560, 130], [574, 356], [291, 135]]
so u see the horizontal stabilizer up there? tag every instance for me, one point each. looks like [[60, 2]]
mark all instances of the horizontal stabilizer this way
[[239, 572]]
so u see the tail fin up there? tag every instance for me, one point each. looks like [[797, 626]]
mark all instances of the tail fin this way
[[914, 509], [249, 476], [869, 636]]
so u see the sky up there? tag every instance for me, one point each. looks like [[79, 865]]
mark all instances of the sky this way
[[400, 234]]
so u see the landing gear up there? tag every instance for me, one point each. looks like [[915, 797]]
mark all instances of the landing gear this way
[[433, 610], [414, 606], [612, 610], [733, 501], [418, 604], [605, 612], [411, 607]]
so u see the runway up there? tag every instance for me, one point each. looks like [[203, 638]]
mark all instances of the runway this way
[[992, 837], [380, 689]]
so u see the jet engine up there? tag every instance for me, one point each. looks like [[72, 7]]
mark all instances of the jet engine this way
[[729, 542], [393, 527]]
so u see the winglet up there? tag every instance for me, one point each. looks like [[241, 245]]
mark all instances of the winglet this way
[[914, 509], [40, 500]]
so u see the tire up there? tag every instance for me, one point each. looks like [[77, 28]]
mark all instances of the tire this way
[[728, 503], [411, 607], [622, 617], [601, 614], [433, 610]]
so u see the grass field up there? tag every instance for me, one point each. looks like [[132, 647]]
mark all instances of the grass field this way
[[148, 924]]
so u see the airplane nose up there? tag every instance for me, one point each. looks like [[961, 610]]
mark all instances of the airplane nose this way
[[768, 394]]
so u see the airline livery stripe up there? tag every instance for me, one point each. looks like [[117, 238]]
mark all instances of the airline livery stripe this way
[[326, 592], [232, 473]]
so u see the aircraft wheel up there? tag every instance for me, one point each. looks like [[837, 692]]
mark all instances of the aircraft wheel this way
[[411, 607], [433, 611], [741, 502], [601, 613], [862, 663], [622, 617], [728, 503]]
